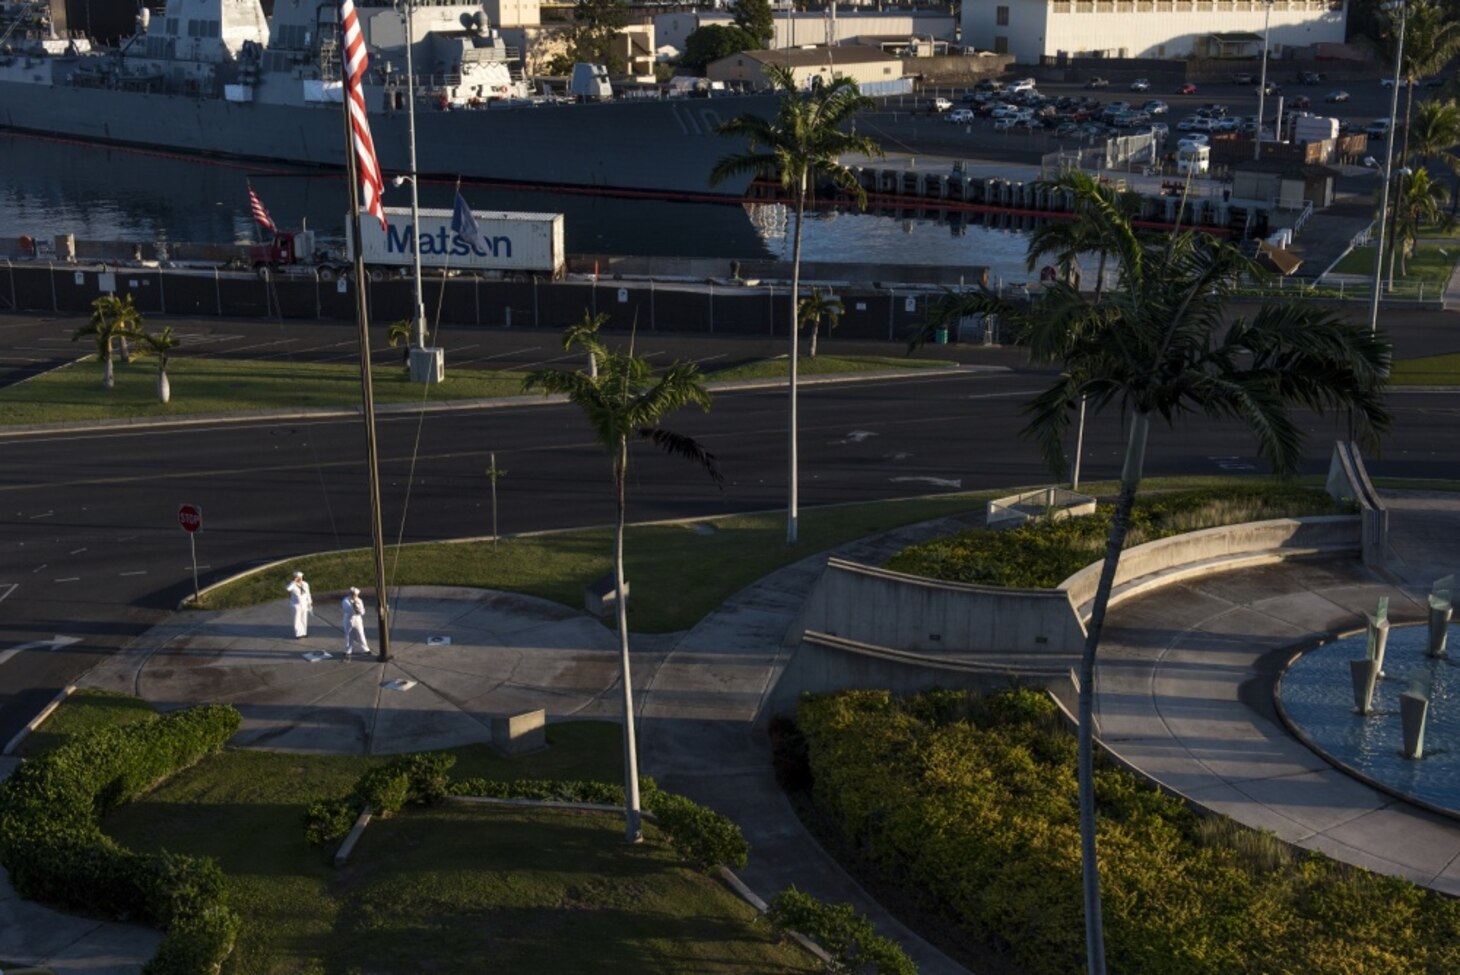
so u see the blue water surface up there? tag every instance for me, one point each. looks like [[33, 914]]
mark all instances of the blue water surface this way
[[1317, 694]]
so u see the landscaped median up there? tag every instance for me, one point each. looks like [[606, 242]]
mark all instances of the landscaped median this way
[[203, 386], [147, 819], [966, 806]]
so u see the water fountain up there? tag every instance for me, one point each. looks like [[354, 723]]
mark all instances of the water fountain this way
[[1381, 703]]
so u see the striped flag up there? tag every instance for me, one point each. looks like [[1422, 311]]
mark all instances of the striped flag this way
[[355, 63], [260, 213]]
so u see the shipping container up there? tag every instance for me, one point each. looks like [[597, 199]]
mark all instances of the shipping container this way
[[507, 241], [1314, 128]]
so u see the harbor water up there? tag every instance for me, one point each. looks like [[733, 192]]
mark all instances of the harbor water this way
[[54, 187]]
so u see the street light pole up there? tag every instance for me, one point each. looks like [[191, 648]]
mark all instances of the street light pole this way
[[406, 7], [1262, 83], [1381, 219]]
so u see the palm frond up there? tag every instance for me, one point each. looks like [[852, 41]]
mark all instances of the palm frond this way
[[679, 445]]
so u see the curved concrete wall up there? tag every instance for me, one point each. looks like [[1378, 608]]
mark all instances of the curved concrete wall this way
[[902, 612], [1286, 536], [910, 613]]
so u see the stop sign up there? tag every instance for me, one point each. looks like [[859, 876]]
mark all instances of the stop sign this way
[[190, 518]]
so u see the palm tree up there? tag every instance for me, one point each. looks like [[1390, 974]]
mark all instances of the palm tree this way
[[1423, 204], [1435, 134], [161, 345], [402, 333], [113, 319], [1431, 41], [1066, 240], [803, 143], [623, 400], [580, 331], [1159, 345], [817, 308]]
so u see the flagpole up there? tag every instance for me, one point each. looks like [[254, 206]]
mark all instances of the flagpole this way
[[367, 395]]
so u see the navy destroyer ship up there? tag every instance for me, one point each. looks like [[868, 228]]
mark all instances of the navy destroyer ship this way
[[218, 78]]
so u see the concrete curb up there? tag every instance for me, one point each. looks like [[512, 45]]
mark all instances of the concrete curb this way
[[35, 722], [450, 406]]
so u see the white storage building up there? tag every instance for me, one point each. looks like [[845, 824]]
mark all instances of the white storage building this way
[[1033, 30]]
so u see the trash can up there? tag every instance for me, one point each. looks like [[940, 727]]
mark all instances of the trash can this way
[[940, 336]]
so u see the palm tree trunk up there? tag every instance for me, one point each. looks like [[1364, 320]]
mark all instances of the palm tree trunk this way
[[108, 376], [164, 388], [793, 499], [633, 831], [1100, 277], [815, 327], [1130, 479]]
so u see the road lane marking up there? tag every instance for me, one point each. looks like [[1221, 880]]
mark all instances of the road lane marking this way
[[138, 572], [55, 643], [45, 515], [68, 579], [79, 550], [39, 568], [9, 588], [956, 483]]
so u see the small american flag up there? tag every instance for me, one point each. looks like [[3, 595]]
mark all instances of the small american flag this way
[[260, 212], [356, 61]]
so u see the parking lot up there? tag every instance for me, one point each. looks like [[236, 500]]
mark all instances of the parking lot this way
[[1067, 115]]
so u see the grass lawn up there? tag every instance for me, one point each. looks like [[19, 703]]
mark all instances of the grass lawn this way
[[1428, 265], [446, 889], [86, 710], [226, 386], [203, 385], [825, 365], [679, 572], [1431, 370]]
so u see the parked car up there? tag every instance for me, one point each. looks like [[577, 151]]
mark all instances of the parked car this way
[[1191, 141], [1434, 82], [1098, 82], [1141, 84], [1023, 84], [1213, 110], [1005, 123], [1377, 129], [941, 104], [1337, 95], [959, 115], [1155, 108], [1389, 82], [1302, 103], [1244, 78], [1186, 89], [989, 84], [1227, 124], [1160, 130]]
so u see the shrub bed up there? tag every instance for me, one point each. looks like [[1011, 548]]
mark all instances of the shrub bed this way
[[1041, 554], [701, 836], [55, 851], [968, 805]]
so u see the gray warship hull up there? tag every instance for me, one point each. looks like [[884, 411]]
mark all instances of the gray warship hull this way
[[663, 147]]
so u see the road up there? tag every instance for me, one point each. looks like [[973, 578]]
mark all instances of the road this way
[[90, 549]]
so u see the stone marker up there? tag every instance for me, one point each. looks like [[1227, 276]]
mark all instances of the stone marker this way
[[1414, 709], [599, 595], [515, 734], [1379, 638], [1440, 614], [1365, 674]]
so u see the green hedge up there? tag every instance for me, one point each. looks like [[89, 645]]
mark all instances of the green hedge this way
[[700, 835], [969, 805], [1041, 554], [55, 851], [845, 935]]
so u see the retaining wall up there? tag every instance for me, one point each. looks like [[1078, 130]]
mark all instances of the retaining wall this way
[[823, 664], [908, 613]]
